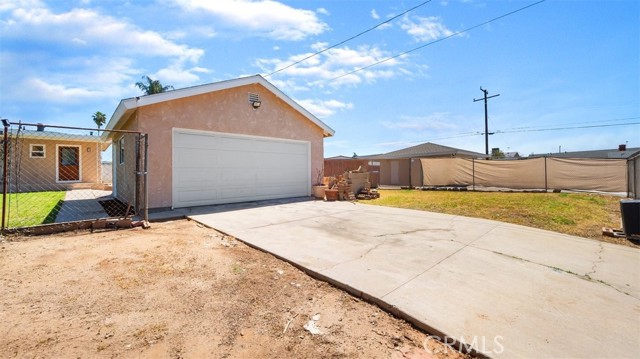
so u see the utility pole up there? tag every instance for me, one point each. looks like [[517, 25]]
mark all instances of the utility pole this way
[[486, 118]]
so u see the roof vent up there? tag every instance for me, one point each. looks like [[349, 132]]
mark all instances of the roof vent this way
[[40, 127], [254, 100], [622, 147]]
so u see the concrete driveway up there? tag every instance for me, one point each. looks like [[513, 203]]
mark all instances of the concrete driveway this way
[[508, 291]]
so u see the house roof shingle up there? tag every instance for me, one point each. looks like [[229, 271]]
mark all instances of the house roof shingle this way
[[427, 150]]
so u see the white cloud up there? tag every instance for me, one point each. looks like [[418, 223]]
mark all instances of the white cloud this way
[[103, 80], [325, 68], [323, 11], [262, 17], [58, 93], [177, 76], [8, 5], [425, 28], [96, 56], [324, 108], [435, 121], [92, 29], [374, 14]]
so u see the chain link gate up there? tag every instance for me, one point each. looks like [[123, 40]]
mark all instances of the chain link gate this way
[[60, 178]]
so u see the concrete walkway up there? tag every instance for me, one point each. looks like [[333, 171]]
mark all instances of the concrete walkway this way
[[508, 291], [82, 204]]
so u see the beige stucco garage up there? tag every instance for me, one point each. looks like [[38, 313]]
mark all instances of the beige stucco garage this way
[[231, 141]]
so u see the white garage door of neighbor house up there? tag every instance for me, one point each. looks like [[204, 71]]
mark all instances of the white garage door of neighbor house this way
[[215, 168]]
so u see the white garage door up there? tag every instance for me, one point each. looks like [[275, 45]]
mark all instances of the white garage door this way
[[214, 168]]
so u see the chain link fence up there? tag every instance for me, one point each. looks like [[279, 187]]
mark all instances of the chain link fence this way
[[58, 176]]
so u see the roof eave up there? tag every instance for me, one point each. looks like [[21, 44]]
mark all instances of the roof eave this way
[[130, 104]]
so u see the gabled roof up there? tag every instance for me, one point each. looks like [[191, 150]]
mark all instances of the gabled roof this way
[[597, 154], [427, 150], [129, 105]]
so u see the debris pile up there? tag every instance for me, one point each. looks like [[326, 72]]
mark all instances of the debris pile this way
[[350, 186]]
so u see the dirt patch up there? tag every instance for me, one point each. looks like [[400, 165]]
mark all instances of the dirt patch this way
[[179, 290]]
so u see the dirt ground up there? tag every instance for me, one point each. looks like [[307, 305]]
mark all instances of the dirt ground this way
[[180, 290]]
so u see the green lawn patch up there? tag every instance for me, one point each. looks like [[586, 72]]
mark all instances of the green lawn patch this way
[[577, 214], [33, 208]]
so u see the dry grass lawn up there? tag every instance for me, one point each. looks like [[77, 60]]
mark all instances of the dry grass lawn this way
[[579, 214]]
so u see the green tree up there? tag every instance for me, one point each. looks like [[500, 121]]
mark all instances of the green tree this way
[[496, 153], [99, 118], [150, 86]]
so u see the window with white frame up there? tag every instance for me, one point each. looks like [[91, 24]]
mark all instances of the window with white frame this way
[[37, 151], [121, 151]]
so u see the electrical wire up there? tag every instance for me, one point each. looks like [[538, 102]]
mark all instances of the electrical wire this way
[[569, 128], [468, 134], [579, 123], [349, 39], [432, 42]]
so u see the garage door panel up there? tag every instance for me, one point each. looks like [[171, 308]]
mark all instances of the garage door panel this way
[[197, 141], [214, 168]]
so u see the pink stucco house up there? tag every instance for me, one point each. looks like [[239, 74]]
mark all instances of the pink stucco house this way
[[230, 141]]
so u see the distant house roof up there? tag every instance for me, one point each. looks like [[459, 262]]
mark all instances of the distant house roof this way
[[343, 158], [129, 105], [426, 150], [598, 154], [58, 136]]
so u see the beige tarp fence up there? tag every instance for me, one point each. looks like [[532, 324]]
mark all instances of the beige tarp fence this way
[[607, 175]]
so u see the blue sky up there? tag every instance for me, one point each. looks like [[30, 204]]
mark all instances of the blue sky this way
[[558, 64]]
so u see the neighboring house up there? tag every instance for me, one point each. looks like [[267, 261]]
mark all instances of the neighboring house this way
[[621, 152], [512, 156], [403, 167], [230, 141], [48, 161]]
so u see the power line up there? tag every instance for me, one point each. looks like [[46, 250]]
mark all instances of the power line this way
[[433, 42], [570, 128], [469, 134], [349, 39], [579, 123]]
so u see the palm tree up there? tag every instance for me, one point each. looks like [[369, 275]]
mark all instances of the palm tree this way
[[152, 86], [99, 118]]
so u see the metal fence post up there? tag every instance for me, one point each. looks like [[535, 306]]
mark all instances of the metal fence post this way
[[546, 187], [5, 149], [473, 173], [138, 174], [146, 187]]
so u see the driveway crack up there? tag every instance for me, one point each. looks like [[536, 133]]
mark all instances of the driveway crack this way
[[583, 277], [596, 262], [384, 241], [440, 261]]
